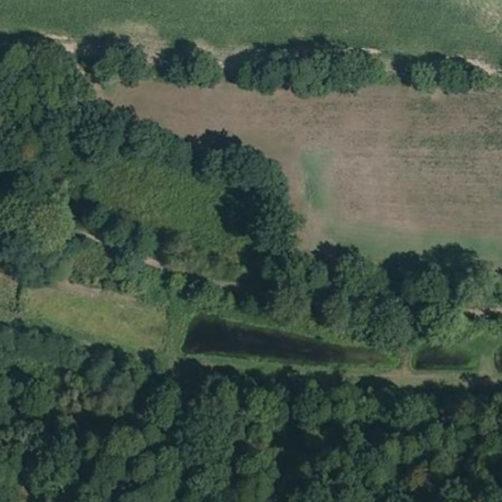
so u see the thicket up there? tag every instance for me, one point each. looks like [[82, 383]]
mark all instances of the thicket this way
[[85, 423], [308, 68], [56, 222]]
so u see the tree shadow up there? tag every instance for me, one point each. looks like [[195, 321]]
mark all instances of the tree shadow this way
[[207, 142], [181, 47], [402, 64], [28, 38], [92, 48], [294, 47]]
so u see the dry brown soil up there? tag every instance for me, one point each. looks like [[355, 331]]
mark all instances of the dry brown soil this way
[[403, 170]]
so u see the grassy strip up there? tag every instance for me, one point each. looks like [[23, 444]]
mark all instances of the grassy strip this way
[[449, 26], [91, 316]]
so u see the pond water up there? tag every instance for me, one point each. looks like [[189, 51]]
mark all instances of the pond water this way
[[438, 358], [213, 336]]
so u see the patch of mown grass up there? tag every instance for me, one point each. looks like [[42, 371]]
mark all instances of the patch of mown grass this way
[[379, 241], [448, 26], [98, 316], [313, 164]]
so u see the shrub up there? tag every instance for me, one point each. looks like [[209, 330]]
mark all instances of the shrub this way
[[423, 76], [186, 64], [454, 76], [481, 81]]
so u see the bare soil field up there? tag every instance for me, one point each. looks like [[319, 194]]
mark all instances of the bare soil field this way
[[387, 169]]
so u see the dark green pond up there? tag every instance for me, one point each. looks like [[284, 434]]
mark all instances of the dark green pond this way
[[212, 336], [498, 360], [437, 358]]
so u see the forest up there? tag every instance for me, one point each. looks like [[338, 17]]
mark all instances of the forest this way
[[91, 194], [94, 423]]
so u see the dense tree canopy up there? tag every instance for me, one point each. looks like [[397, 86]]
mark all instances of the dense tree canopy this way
[[453, 75], [204, 434], [186, 64], [312, 67]]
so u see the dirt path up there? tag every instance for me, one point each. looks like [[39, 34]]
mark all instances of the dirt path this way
[[406, 375]]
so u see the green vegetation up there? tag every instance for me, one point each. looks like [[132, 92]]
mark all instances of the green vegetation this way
[[453, 75], [97, 316], [423, 76], [449, 26], [97, 423], [173, 199], [186, 64], [109, 57], [308, 67]]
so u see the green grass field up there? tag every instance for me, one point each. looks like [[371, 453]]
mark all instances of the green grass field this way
[[90, 315], [452, 26], [106, 317]]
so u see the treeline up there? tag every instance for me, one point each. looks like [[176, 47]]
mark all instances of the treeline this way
[[453, 75], [311, 67], [56, 222], [96, 423]]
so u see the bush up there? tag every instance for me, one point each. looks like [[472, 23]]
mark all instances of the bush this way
[[110, 56], [186, 64], [423, 77], [454, 76], [481, 81]]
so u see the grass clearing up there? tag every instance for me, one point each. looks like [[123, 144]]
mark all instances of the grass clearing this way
[[452, 26], [91, 316], [406, 171], [313, 165]]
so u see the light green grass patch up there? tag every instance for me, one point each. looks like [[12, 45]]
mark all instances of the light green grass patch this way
[[451, 26], [97, 316], [313, 164], [379, 241]]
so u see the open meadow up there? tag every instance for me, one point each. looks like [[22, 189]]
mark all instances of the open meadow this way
[[388, 169]]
